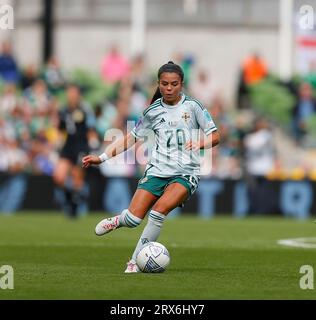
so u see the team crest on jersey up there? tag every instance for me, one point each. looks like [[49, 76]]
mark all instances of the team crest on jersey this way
[[186, 116]]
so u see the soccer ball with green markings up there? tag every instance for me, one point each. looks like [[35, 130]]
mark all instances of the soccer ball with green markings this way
[[153, 257]]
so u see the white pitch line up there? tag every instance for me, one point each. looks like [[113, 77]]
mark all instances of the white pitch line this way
[[309, 243]]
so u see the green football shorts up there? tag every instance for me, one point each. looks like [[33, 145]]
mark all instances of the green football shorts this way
[[157, 185]]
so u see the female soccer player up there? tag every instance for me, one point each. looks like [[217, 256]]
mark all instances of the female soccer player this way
[[172, 175]]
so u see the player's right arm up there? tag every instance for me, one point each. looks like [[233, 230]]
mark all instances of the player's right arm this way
[[112, 150], [122, 144]]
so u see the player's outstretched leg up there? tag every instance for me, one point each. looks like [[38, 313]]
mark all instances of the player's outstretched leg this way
[[125, 219]]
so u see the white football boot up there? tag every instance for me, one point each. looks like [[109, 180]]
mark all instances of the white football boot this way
[[107, 225], [132, 267]]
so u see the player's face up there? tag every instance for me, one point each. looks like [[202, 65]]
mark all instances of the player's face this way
[[73, 96], [170, 86]]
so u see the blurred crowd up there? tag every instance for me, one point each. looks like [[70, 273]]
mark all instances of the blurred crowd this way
[[303, 89], [31, 98]]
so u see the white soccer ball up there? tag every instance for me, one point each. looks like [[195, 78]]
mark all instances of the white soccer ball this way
[[153, 257]]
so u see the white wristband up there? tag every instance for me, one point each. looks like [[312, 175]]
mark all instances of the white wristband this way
[[103, 157]]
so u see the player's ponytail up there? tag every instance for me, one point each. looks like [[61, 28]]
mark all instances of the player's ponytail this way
[[156, 96], [168, 67]]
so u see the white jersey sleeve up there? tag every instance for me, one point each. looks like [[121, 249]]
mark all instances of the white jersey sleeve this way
[[142, 127], [204, 120]]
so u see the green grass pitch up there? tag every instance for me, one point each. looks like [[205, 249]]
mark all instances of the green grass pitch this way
[[221, 258]]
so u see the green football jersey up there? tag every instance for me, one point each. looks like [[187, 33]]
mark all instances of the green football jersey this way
[[172, 127]]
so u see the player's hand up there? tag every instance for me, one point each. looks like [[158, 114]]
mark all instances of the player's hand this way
[[191, 145], [89, 160]]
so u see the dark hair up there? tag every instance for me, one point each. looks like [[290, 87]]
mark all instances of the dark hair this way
[[168, 67], [171, 67]]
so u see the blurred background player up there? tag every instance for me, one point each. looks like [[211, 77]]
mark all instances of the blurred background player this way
[[76, 125], [173, 172], [260, 159]]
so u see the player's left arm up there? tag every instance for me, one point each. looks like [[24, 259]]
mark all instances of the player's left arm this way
[[210, 141], [207, 125]]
